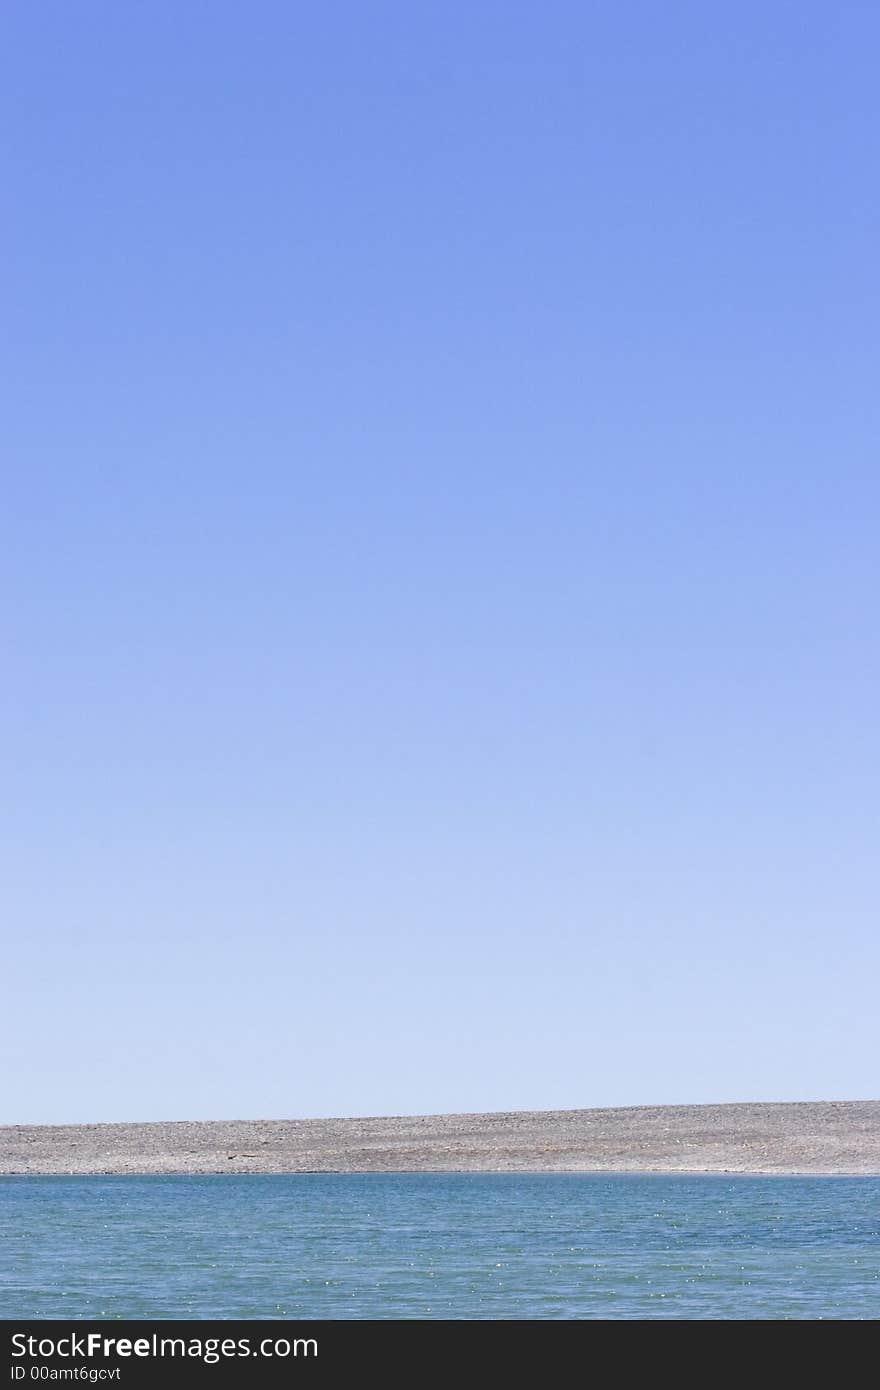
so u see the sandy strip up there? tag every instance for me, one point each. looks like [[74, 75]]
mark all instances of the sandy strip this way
[[829, 1137]]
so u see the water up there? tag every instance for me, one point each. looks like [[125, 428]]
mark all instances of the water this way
[[440, 1246]]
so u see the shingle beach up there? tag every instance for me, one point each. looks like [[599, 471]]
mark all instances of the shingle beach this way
[[833, 1137]]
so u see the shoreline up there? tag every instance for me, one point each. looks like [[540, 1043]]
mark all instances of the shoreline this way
[[785, 1139]]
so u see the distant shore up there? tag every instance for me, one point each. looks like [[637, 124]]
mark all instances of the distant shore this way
[[823, 1137]]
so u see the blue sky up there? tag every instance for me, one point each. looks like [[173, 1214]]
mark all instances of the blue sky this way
[[439, 557]]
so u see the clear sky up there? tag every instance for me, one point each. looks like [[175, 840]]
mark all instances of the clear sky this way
[[439, 556]]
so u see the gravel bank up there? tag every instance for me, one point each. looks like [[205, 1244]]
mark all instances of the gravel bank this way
[[817, 1137]]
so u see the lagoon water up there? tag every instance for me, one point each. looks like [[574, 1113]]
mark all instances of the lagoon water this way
[[440, 1246]]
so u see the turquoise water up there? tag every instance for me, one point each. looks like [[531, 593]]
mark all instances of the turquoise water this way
[[440, 1246]]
